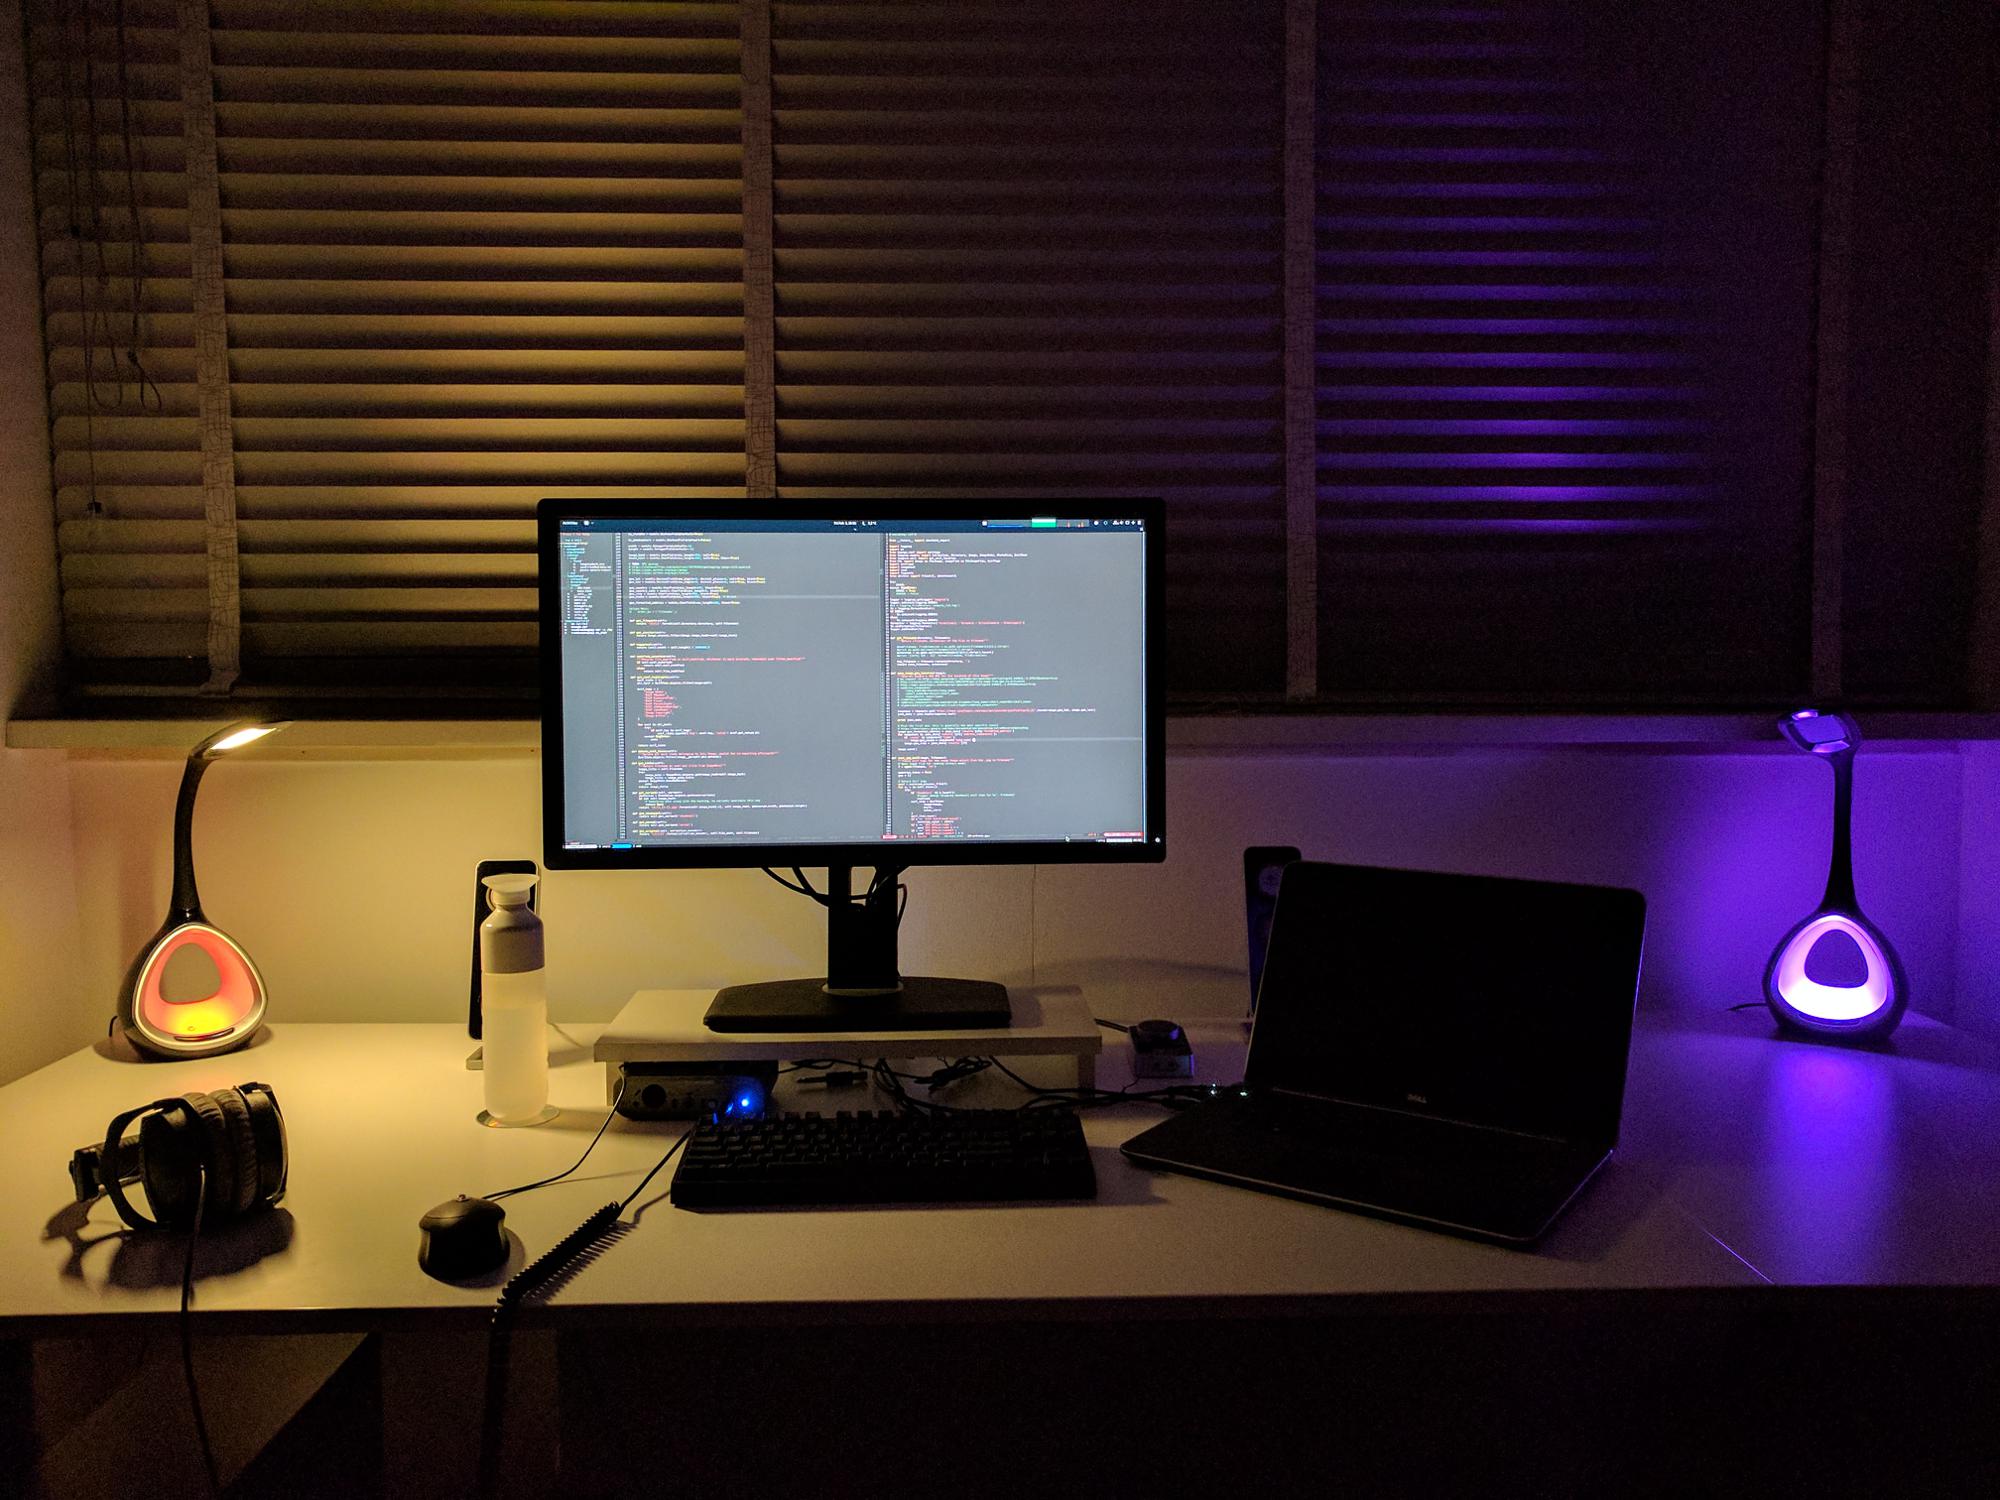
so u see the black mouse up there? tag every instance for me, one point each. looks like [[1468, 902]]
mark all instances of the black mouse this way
[[1156, 1033], [462, 1237]]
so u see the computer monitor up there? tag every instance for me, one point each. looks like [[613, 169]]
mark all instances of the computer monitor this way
[[861, 683]]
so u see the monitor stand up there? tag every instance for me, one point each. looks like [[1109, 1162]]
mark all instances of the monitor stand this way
[[863, 990]]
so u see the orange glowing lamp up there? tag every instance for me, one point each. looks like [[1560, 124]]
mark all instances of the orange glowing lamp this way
[[225, 1006]]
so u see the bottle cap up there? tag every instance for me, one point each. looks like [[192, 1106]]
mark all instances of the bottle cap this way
[[509, 890]]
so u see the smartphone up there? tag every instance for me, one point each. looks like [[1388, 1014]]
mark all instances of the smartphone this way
[[479, 912], [1263, 865]]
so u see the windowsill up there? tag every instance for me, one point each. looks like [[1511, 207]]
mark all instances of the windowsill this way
[[1246, 734]]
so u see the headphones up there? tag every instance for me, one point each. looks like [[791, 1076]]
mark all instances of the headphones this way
[[225, 1151]]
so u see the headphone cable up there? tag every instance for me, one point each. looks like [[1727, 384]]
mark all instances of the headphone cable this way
[[187, 1335]]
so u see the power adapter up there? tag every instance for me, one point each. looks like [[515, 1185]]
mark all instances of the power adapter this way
[[693, 1090]]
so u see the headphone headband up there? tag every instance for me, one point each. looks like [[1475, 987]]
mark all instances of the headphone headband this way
[[113, 1134]]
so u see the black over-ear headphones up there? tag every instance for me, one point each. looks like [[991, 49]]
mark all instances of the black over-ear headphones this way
[[233, 1141]]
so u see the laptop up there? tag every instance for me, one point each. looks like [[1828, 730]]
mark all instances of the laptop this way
[[1445, 1050]]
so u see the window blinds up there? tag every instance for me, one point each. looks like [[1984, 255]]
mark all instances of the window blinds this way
[[476, 253], [1032, 249]]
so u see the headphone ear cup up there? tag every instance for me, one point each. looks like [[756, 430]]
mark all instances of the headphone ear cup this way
[[240, 1143], [268, 1127], [217, 1155], [169, 1153]]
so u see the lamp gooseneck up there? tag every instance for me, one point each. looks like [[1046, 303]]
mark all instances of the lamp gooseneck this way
[[185, 905], [1840, 866]]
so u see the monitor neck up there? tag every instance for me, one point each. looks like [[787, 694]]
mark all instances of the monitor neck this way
[[861, 933]]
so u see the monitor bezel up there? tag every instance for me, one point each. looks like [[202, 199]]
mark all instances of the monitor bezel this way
[[551, 513]]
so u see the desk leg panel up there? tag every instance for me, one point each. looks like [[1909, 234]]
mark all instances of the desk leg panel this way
[[1635, 1396]]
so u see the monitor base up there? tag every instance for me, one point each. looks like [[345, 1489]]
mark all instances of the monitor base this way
[[922, 1004]]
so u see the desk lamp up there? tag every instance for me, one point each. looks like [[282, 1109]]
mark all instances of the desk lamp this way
[[1835, 975], [163, 1024]]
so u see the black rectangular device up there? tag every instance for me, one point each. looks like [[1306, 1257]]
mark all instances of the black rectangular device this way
[[855, 683], [1263, 865], [1444, 1049]]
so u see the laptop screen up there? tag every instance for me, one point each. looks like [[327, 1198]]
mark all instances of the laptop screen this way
[[1496, 1002]]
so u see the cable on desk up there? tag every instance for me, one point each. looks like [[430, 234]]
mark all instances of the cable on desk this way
[[1173, 1096], [187, 1335], [609, 1114], [893, 1082], [632, 1196]]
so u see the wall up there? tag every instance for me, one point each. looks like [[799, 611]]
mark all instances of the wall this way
[[39, 1016], [1979, 894], [351, 881]]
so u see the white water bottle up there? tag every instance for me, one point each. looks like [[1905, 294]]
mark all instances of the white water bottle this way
[[513, 1006]]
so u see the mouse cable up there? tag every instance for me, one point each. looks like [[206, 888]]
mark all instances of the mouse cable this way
[[557, 1257], [550, 1268], [609, 1115], [1111, 1025], [187, 1335]]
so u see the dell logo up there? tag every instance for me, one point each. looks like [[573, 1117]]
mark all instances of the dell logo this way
[[1416, 1098]]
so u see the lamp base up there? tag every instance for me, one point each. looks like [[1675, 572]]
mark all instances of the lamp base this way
[[1836, 976], [200, 1026]]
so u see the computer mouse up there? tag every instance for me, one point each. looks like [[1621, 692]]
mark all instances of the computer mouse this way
[[1156, 1033], [461, 1238]]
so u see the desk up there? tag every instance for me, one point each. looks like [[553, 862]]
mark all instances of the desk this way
[[1749, 1168]]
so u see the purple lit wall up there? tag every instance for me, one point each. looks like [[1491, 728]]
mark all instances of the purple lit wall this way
[[1729, 847], [1979, 893]]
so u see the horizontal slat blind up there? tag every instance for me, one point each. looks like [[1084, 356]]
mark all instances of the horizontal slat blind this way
[[477, 253], [112, 198], [1564, 315], [1033, 250]]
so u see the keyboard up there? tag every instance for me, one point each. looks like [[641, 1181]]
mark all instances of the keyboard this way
[[963, 1156]]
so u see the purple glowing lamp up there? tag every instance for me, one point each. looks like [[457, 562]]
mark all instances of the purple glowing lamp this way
[[1835, 975]]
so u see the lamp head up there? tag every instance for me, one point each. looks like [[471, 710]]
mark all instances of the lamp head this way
[[1819, 732], [235, 737]]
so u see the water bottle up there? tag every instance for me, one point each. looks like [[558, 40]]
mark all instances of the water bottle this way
[[514, 1006]]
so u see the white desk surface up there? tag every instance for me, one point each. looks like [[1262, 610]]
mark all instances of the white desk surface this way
[[1745, 1160]]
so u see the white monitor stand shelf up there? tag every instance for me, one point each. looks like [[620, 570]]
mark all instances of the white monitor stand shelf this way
[[666, 1026]]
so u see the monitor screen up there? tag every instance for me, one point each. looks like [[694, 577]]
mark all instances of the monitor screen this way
[[766, 683]]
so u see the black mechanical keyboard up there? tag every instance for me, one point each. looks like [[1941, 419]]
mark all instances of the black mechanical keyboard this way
[[961, 1156]]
